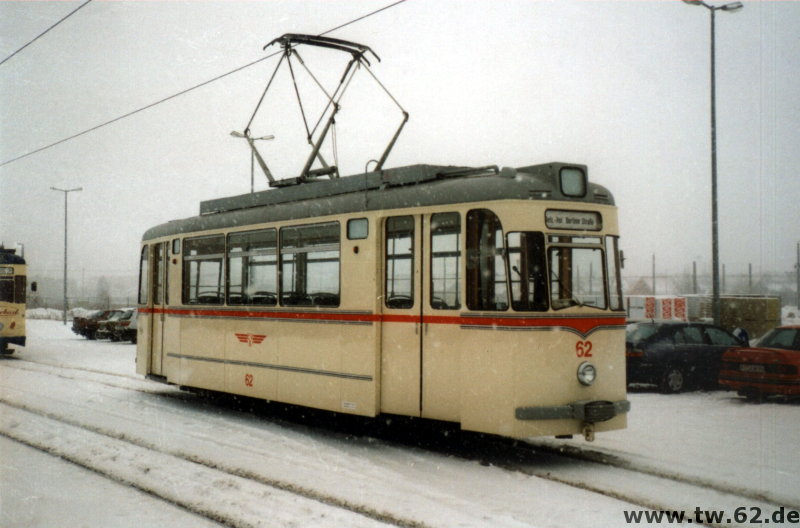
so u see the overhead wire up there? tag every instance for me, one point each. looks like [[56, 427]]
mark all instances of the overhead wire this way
[[187, 90], [133, 112], [384, 8], [46, 30]]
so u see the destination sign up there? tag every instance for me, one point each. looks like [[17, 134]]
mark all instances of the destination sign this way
[[579, 220]]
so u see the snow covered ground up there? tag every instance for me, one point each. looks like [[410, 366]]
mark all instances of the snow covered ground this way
[[160, 457], [40, 490]]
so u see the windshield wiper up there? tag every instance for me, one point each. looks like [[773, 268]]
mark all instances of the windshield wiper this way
[[572, 298]]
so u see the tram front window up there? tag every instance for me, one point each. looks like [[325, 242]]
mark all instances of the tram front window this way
[[12, 287], [577, 276], [6, 289], [526, 261]]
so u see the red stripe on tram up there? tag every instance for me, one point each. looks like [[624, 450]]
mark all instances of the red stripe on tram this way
[[582, 325]]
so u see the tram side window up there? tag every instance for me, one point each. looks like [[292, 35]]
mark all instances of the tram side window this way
[[20, 288], [399, 288], [526, 260], [202, 270], [160, 289], [253, 268], [144, 267], [310, 265], [357, 229], [486, 267], [445, 261]]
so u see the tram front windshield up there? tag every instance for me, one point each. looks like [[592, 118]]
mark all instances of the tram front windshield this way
[[12, 287], [576, 277], [567, 271]]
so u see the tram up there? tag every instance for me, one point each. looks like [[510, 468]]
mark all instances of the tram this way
[[484, 296], [13, 277]]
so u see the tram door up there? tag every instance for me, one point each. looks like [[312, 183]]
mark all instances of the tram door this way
[[441, 309], [422, 277], [401, 333], [158, 294]]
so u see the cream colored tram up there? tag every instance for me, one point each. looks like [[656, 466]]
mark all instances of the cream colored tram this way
[[481, 296]]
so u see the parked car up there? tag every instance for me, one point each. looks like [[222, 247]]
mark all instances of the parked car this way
[[676, 355], [106, 328], [79, 322], [87, 326], [772, 367], [125, 329]]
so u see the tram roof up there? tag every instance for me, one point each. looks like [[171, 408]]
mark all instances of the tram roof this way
[[396, 188], [7, 256]]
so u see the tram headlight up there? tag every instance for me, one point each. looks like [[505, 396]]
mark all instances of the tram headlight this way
[[587, 373]]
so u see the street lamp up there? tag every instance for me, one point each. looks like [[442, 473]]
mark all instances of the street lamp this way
[[733, 6], [66, 192], [253, 154]]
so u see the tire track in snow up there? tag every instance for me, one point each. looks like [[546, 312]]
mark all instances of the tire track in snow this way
[[133, 384], [644, 488], [111, 379], [31, 436], [228, 496], [613, 460]]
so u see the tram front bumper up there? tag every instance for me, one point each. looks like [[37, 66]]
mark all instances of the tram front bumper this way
[[5, 341], [589, 411]]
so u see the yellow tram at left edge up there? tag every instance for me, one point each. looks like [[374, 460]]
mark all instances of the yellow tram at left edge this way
[[13, 284], [486, 297]]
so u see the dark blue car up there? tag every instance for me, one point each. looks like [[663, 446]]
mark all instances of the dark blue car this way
[[676, 355]]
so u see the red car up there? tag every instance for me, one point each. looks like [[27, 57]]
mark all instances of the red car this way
[[772, 367]]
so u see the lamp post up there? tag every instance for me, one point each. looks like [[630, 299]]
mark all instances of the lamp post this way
[[798, 273], [66, 192], [253, 153], [733, 6]]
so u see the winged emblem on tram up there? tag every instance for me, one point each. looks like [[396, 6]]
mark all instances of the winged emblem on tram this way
[[250, 339]]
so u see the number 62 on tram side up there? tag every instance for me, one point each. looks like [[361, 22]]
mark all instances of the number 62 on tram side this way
[[481, 296]]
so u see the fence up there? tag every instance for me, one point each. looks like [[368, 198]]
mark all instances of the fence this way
[[91, 303], [783, 285]]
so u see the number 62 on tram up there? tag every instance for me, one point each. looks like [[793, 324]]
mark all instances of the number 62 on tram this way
[[481, 296]]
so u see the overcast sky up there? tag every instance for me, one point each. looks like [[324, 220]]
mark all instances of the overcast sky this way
[[621, 86]]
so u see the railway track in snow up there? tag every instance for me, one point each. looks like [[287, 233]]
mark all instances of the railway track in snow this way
[[596, 472], [229, 495], [701, 501]]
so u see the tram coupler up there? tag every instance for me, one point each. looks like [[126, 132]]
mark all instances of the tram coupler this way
[[588, 431]]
